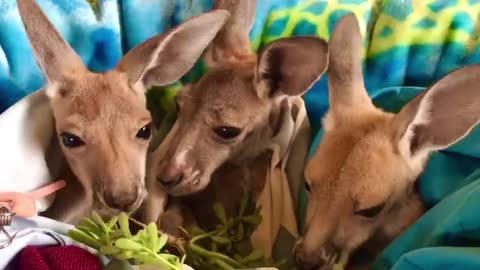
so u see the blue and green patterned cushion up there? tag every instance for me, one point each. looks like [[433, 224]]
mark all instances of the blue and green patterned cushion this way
[[408, 45]]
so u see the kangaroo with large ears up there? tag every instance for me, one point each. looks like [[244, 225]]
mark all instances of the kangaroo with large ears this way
[[101, 119], [229, 114], [361, 178], [228, 121]]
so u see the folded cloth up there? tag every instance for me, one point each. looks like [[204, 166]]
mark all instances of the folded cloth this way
[[57, 258]]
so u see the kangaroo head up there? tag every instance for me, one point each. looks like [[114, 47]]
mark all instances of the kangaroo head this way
[[101, 118], [360, 177], [229, 114]]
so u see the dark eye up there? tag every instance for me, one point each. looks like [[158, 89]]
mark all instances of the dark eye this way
[[307, 186], [371, 212], [145, 132], [227, 133], [71, 141]]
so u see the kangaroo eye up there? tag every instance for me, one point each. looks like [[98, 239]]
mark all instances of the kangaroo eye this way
[[145, 132], [71, 141], [371, 212], [227, 133]]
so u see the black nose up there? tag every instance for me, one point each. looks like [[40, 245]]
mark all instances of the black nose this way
[[171, 181], [170, 175], [120, 201]]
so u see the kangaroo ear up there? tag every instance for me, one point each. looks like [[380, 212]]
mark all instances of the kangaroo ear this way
[[440, 116], [165, 58], [345, 77], [53, 54], [232, 44], [290, 66]]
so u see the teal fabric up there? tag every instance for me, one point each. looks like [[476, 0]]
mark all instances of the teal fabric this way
[[448, 235], [408, 43]]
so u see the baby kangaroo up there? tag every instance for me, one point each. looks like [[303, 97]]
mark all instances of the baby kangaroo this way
[[101, 119], [226, 121], [361, 178]]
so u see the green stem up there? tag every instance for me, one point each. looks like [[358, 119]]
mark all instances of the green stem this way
[[219, 232], [201, 251], [173, 243], [202, 236], [224, 265]]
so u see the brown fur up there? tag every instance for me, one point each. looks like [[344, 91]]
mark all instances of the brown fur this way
[[241, 90], [106, 111], [370, 158]]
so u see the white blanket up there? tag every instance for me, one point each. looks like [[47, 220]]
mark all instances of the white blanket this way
[[26, 131]]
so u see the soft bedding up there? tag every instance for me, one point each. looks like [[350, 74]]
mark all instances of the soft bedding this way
[[408, 45]]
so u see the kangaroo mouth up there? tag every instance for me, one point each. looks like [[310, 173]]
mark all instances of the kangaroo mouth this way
[[194, 184]]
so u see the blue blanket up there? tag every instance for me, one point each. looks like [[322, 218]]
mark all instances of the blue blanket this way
[[408, 43]]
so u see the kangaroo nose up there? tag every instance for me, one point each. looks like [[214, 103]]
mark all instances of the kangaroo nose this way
[[306, 263], [170, 177], [120, 201], [306, 260]]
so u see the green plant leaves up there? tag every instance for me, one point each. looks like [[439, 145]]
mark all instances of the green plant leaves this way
[[124, 225], [228, 246], [85, 238], [128, 244], [161, 242], [113, 222], [109, 250], [99, 222], [152, 239], [114, 239]]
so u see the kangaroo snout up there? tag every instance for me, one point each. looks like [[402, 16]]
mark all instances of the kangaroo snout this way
[[171, 175], [178, 174], [322, 258], [122, 199], [176, 170]]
